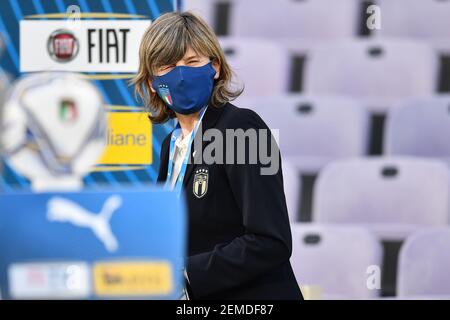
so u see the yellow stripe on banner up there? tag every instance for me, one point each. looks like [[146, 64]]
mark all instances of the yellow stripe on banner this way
[[125, 108], [132, 278], [95, 15], [108, 76], [129, 140], [117, 168]]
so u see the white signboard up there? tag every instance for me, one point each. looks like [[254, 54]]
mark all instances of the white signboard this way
[[84, 46]]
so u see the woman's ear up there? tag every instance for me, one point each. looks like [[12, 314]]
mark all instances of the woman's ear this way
[[216, 67]]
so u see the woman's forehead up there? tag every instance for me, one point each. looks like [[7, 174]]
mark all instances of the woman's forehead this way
[[191, 53]]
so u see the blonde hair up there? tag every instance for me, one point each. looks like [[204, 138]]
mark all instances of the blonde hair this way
[[165, 42]]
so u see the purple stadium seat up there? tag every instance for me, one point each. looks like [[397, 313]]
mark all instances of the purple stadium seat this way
[[420, 127], [307, 19], [378, 72], [421, 297], [421, 19], [315, 130], [206, 9], [312, 132], [335, 258], [424, 264], [260, 75], [292, 185], [393, 196], [288, 18]]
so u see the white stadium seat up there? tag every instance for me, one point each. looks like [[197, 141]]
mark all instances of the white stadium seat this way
[[206, 9], [317, 130], [262, 74], [312, 132], [307, 19], [424, 263], [420, 19], [420, 127], [292, 186], [378, 72], [336, 259], [392, 196]]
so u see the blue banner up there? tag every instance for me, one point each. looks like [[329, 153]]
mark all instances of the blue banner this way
[[105, 52], [105, 244]]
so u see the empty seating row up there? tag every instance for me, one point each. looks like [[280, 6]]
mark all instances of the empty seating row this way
[[345, 262], [319, 129], [328, 19], [378, 72], [392, 196]]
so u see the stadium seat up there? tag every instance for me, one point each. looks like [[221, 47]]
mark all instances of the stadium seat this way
[[420, 19], [307, 19], [261, 66], [424, 263], [420, 127], [378, 72], [315, 129], [336, 259], [206, 9], [392, 196], [292, 185], [293, 19], [312, 132]]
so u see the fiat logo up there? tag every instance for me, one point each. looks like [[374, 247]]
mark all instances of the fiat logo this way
[[62, 46]]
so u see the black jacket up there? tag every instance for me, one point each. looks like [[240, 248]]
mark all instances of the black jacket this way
[[239, 241]]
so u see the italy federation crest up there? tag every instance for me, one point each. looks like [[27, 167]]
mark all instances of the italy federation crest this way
[[200, 186], [165, 94]]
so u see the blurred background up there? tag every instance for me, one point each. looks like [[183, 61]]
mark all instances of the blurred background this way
[[359, 91]]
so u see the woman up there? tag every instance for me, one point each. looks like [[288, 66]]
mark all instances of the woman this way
[[239, 241]]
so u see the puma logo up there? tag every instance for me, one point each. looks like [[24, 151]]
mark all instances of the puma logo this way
[[64, 210]]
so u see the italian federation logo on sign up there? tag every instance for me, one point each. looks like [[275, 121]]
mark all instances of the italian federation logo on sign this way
[[68, 111], [165, 94], [62, 46], [200, 186]]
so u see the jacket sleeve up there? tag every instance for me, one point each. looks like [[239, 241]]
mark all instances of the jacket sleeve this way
[[266, 242]]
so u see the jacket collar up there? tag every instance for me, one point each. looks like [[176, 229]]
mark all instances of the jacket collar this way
[[212, 115]]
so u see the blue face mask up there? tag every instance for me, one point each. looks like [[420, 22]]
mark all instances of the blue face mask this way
[[184, 89]]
